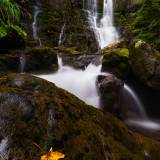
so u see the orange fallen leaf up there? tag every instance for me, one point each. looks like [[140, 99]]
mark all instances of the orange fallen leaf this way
[[53, 155]]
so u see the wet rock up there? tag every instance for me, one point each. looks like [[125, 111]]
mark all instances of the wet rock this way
[[76, 59], [39, 59], [55, 14], [110, 89], [9, 62], [145, 63], [115, 60], [37, 115]]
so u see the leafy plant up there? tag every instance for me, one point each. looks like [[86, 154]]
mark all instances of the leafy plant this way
[[9, 12], [9, 18]]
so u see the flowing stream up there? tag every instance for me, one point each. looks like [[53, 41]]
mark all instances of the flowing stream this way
[[82, 83]]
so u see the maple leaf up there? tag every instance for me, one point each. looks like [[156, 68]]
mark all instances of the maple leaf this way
[[53, 155]]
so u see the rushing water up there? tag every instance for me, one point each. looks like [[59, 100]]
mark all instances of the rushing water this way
[[79, 82], [104, 28], [82, 83]]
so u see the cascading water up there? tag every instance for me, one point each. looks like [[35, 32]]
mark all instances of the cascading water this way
[[22, 60], [61, 35], [104, 28], [34, 24], [82, 83]]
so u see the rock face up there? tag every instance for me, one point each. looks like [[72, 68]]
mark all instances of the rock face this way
[[73, 58], [126, 5], [38, 59], [115, 60], [110, 89], [37, 115], [35, 59], [145, 63], [68, 19]]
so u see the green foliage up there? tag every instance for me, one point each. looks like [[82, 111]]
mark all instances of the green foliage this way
[[9, 18], [9, 11], [147, 23]]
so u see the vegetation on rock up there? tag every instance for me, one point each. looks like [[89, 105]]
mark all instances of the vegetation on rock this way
[[51, 117]]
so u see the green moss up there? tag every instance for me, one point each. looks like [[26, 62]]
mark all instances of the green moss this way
[[68, 51], [41, 59], [115, 60]]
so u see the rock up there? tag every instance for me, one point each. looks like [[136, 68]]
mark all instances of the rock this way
[[37, 116], [126, 5], [9, 63], [57, 15], [78, 60], [115, 60], [53, 117], [110, 89], [145, 63], [39, 59]]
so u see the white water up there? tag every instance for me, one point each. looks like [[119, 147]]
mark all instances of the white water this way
[[81, 83], [134, 101], [104, 28], [34, 24]]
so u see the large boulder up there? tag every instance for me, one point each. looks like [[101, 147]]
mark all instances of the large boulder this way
[[37, 116], [145, 63], [116, 60], [110, 89]]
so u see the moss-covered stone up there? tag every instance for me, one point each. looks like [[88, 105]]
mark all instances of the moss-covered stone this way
[[38, 59], [115, 60], [145, 63], [37, 115]]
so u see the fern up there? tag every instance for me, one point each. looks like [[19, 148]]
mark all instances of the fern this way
[[9, 12]]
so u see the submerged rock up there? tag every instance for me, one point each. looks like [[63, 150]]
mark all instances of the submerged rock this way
[[145, 63], [110, 89], [37, 116]]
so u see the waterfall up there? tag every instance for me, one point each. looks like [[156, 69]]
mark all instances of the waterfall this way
[[131, 100], [81, 83], [22, 61], [34, 24], [104, 28], [61, 35]]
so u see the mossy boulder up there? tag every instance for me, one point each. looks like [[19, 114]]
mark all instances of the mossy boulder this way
[[39, 59], [145, 63], [37, 116], [115, 60]]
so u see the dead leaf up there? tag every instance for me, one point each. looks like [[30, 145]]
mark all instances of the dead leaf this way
[[53, 155]]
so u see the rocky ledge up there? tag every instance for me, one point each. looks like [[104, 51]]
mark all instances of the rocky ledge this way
[[37, 115]]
